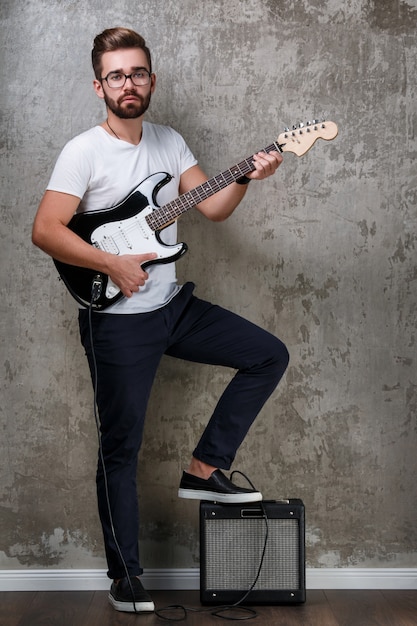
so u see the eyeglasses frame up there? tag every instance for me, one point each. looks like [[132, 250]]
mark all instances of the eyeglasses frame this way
[[126, 77]]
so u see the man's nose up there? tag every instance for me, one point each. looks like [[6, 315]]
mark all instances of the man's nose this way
[[131, 82]]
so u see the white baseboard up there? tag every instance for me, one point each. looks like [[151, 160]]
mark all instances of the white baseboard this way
[[96, 580], [361, 578]]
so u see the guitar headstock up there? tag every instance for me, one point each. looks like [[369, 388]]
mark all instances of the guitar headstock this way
[[301, 138]]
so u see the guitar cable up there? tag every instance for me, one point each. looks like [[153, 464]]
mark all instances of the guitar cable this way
[[217, 611], [96, 289]]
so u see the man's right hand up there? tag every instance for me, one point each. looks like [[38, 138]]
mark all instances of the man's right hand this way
[[51, 234], [127, 273]]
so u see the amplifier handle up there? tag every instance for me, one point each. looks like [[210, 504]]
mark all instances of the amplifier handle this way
[[257, 513]]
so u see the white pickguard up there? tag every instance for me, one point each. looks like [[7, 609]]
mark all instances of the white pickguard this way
[[132, 236]]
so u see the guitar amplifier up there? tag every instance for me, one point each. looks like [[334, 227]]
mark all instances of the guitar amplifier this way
[[233, 538]]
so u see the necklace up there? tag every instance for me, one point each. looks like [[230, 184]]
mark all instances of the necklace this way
[[115, 134]]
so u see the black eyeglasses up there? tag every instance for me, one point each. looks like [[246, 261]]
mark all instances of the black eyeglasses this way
[[116, 80]]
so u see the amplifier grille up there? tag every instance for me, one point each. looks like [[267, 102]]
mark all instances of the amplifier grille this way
[[234, 549]]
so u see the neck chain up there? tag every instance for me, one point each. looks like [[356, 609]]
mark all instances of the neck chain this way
[[114, 133]]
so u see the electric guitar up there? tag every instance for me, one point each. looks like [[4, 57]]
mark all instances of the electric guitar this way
[[133, 226]]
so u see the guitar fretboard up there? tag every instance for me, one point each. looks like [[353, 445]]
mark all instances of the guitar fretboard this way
[[164, 215]]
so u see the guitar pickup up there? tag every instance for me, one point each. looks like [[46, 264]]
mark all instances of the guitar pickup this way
[[107, 244]]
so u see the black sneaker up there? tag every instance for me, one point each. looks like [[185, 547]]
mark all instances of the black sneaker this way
[[121, 599], [217, 488]]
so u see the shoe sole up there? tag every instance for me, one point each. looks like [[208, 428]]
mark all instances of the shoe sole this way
[[223, 498], [127, 607]]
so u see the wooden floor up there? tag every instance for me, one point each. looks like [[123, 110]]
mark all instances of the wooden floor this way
[[323, 608]]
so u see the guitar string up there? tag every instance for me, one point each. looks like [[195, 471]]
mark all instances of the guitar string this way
[[191, 198], [172, 210], [183, 203], [163, 215]]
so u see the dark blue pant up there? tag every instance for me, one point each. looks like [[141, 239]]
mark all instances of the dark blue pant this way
[[128, 350]]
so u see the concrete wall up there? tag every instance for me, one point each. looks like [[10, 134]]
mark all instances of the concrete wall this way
[[323, 254]]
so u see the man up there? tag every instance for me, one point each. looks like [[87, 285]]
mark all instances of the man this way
[[156, 316]]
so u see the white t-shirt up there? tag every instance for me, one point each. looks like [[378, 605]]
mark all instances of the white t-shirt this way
[[102, 170]]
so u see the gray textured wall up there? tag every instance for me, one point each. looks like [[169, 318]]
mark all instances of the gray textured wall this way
[[323, 255]]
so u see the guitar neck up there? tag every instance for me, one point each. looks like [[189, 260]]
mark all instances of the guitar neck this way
[[165, 215]]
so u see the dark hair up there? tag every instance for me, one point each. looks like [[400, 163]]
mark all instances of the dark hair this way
[[114, 39]]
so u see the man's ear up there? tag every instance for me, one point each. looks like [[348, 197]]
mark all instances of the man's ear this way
[[153, 82], [98, 88]]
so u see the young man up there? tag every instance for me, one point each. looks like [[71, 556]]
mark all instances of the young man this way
[[156, 316]]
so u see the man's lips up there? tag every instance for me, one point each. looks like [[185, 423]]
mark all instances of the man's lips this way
[[130, 98]]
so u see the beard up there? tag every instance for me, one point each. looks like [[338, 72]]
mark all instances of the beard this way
[[130, 110]]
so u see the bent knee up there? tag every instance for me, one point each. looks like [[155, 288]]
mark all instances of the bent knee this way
[[281, 356]]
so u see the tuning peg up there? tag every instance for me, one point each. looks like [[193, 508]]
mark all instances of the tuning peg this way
[[300, 125], [286, 130]]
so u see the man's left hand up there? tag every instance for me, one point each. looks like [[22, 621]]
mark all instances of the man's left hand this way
[[265, 165]]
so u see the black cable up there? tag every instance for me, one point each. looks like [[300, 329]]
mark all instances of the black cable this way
[[96, 289], [218, 610]]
